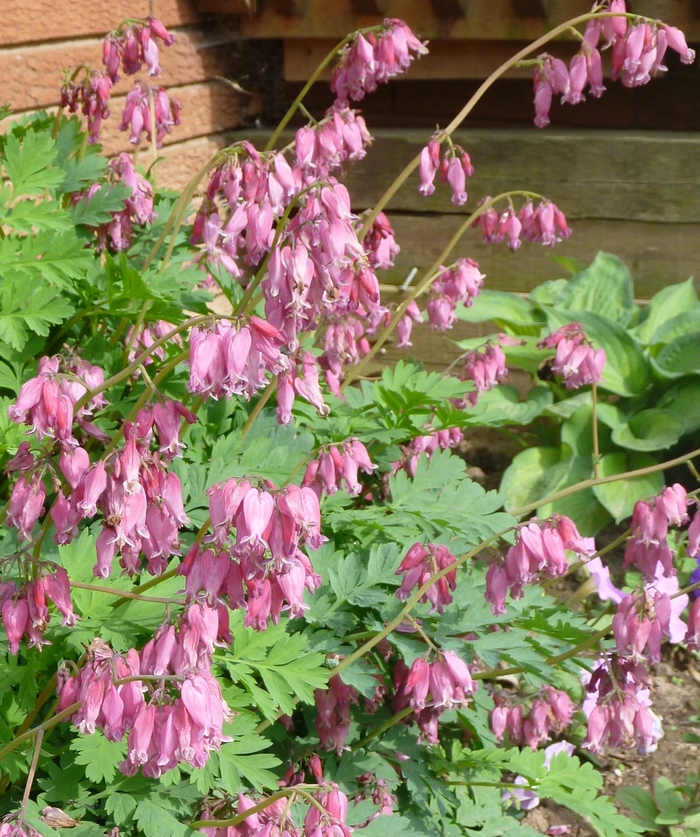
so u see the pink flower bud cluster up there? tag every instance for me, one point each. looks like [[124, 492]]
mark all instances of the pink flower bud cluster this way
[[336, 465], [145, 337], [24, 607], [637, 54], [134, 45], [333, 718], [345, 343], [140, 500], [291, 383], [253, 558], [179, 719], [486, 367], [46, 402], [340, 137], [459, 283], [432, 688], [12, 825], [378, 791], [542, 224], [618, 708], [91, 95], [147, 109], [454, 168], [331, 821], [232, 358], [419, 564], [380, 244], [575, 360], [550, 713], [118, 233], [426, 444], [640, 624], [404, 327], [648, 546], [371, 59], [540, 548]]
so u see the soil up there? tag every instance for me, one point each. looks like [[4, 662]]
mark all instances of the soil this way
[[676, 694]]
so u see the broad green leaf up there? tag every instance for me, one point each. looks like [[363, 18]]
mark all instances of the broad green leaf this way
[[687, 322], [99, 756], [503, 308], [546, 294], [237, 762], [502, 406], [604, 288], [121, 806], [649, 430], [620, 496], [679, 357], [581, 506], [530, 477], [664, 305], [641, 803], [683, 399], [156, 821], [626, 370], [28, 163]]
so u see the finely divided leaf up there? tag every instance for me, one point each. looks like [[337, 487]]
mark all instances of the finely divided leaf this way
[[28, 164]]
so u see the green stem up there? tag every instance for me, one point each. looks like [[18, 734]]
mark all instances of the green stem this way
[[596, 445], [30, 733], [258, 408], [305, 89], [32, 772], [580, 486], [256, 809], [124, 594], [395, 719], [428, 277]]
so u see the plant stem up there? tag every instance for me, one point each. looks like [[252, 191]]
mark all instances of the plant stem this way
[[32, 772], [596, 446], [30, 733], [580, 486], [428, 277], [395, 719], [258, 408], [255, 809], [124, 594]]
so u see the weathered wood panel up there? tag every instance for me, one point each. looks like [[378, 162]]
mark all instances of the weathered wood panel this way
[[33, 74], [34, 21], [485, 19], [657, 254], [446, 59], [592, 174]]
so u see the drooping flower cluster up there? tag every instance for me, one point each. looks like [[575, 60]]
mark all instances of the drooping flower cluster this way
[[132, 46], [638, 51], [419, 564], [24, 610], [380, 244], [640, 624], [118, 233], [147, 110], [459, 283], [648, 547], [340, 137], [549, 713], [432, 688], [486, 367], [454, 168], [575, 360], [542, 224], [232, 358], [140, 499], [253, 558], [618, 707], [371, 59], [338, 464], [14, 825], [333, 713], [179, 719], [540, 547], [426, 444], [142, 340]]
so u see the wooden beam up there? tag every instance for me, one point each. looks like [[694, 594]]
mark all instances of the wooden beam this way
[[290, 8], [530, 8], [370, 7], [449, 8]]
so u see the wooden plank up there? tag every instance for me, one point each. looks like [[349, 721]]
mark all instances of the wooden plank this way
[[656, 254], [487, 19], [650, 176], [290, 7], [446, 59], [531, 8], [33, 74], [370, 7], [449, 8], [34, 21]]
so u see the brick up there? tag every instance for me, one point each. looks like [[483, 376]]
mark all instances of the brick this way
[[32, 21], [33, 74]]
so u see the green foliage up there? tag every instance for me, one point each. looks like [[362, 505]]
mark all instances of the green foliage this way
[[647, 398]]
